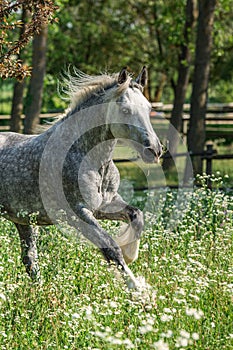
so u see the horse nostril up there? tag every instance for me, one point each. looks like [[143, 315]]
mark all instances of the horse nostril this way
[[160, 151], [152, 154], [149, 152]]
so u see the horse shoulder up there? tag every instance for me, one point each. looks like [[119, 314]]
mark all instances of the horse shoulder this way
[[110, 182], [12, 138]]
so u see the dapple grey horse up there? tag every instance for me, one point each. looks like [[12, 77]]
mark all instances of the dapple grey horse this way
[[68, 168]]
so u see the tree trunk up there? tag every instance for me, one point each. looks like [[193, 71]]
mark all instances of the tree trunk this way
[[17, 101], [35, 90], [17, 107], [147, 88], [196, 133], [159, 88], [162, 78], [175, 127]]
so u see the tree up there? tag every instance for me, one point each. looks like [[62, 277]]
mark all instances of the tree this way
[[41, 12], [110, 34], [17, 101], [180, 87], [106, 35], [221, 77], [35, 90], [196, 132]]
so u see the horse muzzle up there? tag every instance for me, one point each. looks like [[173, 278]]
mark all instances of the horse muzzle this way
[[152, 154]]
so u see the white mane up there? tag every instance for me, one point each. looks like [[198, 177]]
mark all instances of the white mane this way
[[80, 86]]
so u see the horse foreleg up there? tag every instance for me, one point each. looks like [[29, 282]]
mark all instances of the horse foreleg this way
[[91, 229], [129, 238], [28, 237]]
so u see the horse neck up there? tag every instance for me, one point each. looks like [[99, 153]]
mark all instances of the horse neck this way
[[96, 136], [87, 133], [98, 143]]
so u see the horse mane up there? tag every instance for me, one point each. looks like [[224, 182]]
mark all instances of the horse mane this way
[[80, 86]]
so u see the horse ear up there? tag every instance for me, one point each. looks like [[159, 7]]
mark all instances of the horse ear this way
[[142, 78], [123, 75]]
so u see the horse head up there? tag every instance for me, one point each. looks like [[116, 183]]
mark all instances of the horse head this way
[[129, 117]]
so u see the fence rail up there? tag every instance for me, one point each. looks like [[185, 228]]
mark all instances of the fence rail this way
[[211, 107], [5, 120], [217, 114], [219, 118], [219, 121], [207, 155]]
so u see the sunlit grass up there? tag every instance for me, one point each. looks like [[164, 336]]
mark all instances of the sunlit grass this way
[[6, 97], [143, 175], [185, 256]]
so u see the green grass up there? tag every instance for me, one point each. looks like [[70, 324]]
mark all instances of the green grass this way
[[143, 175], [150, 175], [224, 166], [6, 90], [80, 304]]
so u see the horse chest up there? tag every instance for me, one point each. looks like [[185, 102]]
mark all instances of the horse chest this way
[[108, 182]]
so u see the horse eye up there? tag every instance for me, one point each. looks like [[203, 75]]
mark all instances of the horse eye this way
[[125, 110]]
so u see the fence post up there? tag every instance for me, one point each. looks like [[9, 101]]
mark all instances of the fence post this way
[[209, 156]]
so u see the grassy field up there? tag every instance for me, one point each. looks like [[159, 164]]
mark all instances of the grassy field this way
[[142, 175], [186, 303]]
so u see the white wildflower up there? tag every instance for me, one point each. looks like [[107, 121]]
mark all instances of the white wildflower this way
[[114, 341], [179, 301], [149, 320], [89, 312], [161, 345], [181, 342], [166, 318], [230, 287], [127, 342], [113, 304], [197, 314], [69, 25], [3, 334], [184, 334], [145, 329], [167, 310], [119, 334], [181, 291], [10, 261], [2, 297], [195, 297], [100, 334], [168, 334], [195, 336]]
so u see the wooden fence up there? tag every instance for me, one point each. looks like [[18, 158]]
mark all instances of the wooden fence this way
[[5, 120], [207, 155], [219, 118], [219, 123]]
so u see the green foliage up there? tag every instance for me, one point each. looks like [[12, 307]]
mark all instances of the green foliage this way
[[6, 96], [106, 35], [16, 34], [80, 304]]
